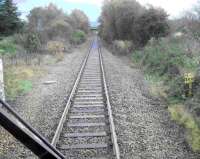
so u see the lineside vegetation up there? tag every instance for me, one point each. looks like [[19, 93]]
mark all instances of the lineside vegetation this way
[[48, 31], [165, 50]]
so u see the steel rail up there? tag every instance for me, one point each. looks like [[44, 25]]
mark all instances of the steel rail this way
[[112, 126], [69, 101]]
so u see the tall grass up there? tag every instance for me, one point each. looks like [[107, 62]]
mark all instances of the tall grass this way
[[18, 80]]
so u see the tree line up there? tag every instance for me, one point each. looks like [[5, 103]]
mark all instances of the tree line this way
[[43, 25], [9, 18], [52, 23], [128, 20]]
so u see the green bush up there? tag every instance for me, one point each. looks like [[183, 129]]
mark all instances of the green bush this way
[[15, 86], [167, 60], [20, 39], [32, 42], [78, 37], [7, 46], [18, 80], [176, 90], [164, 57]]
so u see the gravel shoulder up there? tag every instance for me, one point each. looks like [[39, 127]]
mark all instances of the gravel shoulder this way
[[143, 124], [43, 106]]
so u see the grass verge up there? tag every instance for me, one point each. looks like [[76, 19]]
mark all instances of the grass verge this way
[[179, 114], [18, 80]]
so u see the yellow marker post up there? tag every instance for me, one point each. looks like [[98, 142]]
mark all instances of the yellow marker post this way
[[189, 79]]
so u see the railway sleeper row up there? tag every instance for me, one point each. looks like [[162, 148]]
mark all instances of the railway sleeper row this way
[[86, 131]]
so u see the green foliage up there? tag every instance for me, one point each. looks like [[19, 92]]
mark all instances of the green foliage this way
[[9, 18], [78, 37], [18, 80], [167, 59], [15, 86], [192, 63], [32, 42], [11, 85], [164, 57], [137, 56], [20, 39], [25, 86], [164, 64], [7, 46], [176, 90]]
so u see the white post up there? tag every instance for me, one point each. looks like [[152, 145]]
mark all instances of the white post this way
[[2, 94]]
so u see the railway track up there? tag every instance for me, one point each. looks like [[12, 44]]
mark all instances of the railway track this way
[[86, 129]]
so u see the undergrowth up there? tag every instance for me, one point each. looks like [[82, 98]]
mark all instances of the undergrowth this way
[[164, 63], [165, 58], [7, 46], [78, 37], [18, 80], [179, 114]]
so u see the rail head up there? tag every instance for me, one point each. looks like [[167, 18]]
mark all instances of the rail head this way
[[69, 101], [112, 126]]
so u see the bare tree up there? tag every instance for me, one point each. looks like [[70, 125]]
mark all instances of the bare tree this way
[[79, 20], [52, 23]]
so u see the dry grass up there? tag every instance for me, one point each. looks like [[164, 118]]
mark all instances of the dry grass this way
[[18, 79], [179, 114], [56, 48], [156, 86]]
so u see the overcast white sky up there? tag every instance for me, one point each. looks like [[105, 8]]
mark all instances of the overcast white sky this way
[[173, 7], [93, 7]]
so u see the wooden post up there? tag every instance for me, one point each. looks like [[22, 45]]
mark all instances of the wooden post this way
[[2, 94]]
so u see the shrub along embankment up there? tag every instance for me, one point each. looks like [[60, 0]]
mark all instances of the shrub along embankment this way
[[165, 63]]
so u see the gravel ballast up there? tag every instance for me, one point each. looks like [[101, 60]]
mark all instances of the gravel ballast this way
[[143, 125], [44, 105]]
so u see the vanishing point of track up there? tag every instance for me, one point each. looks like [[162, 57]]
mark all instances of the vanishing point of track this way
[[86, 128]]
